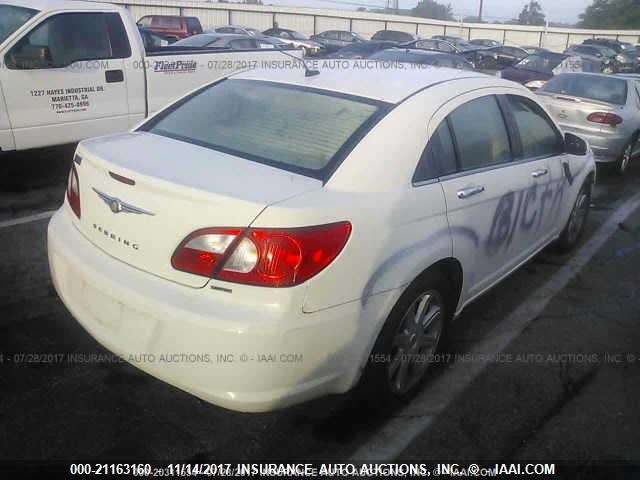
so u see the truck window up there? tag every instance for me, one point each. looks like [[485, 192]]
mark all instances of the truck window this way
[[167, 22], [193, 25], [12, 18], [66, 38]]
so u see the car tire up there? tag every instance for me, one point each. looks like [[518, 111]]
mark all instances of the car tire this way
[[413, 332], [574, 228], [624, 160]]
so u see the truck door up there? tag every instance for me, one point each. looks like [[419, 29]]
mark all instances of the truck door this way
[[65, 79]]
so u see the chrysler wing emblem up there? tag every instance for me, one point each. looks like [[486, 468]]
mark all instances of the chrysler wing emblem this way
[[116, 205]]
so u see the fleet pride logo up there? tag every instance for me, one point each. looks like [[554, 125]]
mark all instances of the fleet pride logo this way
[[175, 66]]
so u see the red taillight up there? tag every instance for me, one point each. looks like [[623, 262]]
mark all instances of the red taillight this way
[[267, 257], [605, 117], [199, 252], [73, 191]]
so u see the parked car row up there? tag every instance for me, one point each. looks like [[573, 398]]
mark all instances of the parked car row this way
[[613, 56], [488, 55]]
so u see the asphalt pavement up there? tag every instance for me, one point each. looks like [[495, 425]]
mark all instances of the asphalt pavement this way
[[564, 389]]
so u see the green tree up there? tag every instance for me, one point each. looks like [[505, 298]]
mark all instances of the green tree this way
[[432, 9], [612, 14], [531, 14]]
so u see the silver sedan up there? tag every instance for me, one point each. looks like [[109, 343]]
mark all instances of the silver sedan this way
[[602, 109]]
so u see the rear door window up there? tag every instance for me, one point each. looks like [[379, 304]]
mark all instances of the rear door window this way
[[438, 158]]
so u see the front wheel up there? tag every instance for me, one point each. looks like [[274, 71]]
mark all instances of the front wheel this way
[[577, 220], [406, 345]]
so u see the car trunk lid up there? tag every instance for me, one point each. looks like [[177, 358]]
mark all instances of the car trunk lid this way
[[141, 194], [571, 112]]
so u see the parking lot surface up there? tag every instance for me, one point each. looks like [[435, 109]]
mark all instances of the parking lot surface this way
[[562, 389]]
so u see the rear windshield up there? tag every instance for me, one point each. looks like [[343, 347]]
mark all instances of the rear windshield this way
[[592, 87], [299, 129], [12, 18], [201, 40]]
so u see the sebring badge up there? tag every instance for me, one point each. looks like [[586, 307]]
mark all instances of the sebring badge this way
[[117, 206]]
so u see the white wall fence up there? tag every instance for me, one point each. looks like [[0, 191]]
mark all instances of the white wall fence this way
[[314, 20]]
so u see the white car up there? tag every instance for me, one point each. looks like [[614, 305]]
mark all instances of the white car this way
[[274, 237]]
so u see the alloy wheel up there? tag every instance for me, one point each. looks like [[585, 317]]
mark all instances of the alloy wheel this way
[[578, 215], [415, 341], [626, 158]]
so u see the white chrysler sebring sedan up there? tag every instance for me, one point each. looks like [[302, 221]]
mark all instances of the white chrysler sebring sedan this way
[[274, 237]]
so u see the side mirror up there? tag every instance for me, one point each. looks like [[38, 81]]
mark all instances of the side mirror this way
[[29, 57], [574, 145]]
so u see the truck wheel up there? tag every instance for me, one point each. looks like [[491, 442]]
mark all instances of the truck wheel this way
[[405, 347], [577, 220]]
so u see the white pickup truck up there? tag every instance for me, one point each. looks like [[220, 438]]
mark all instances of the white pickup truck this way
[[72, 70]]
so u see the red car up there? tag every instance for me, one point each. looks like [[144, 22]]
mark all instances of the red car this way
[[171, 26]]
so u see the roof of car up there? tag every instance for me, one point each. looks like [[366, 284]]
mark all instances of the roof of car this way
[[234, 26], [386, 84], [596, 74], [62, 5], [218, 36]]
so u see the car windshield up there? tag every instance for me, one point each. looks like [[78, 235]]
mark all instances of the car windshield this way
[[302, 130], [540, 63], [297, 36], [593, 87], [606, 51], [12, 18], [254, 32]]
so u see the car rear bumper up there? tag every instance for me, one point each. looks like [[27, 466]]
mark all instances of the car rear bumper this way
[[606, 147], [627, 67], [240, 356]]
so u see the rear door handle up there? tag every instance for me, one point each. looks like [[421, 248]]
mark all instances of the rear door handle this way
[[539, 173], [114, 76], [470, 191]]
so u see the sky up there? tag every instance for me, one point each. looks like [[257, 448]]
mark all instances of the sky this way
[[502, 10]]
